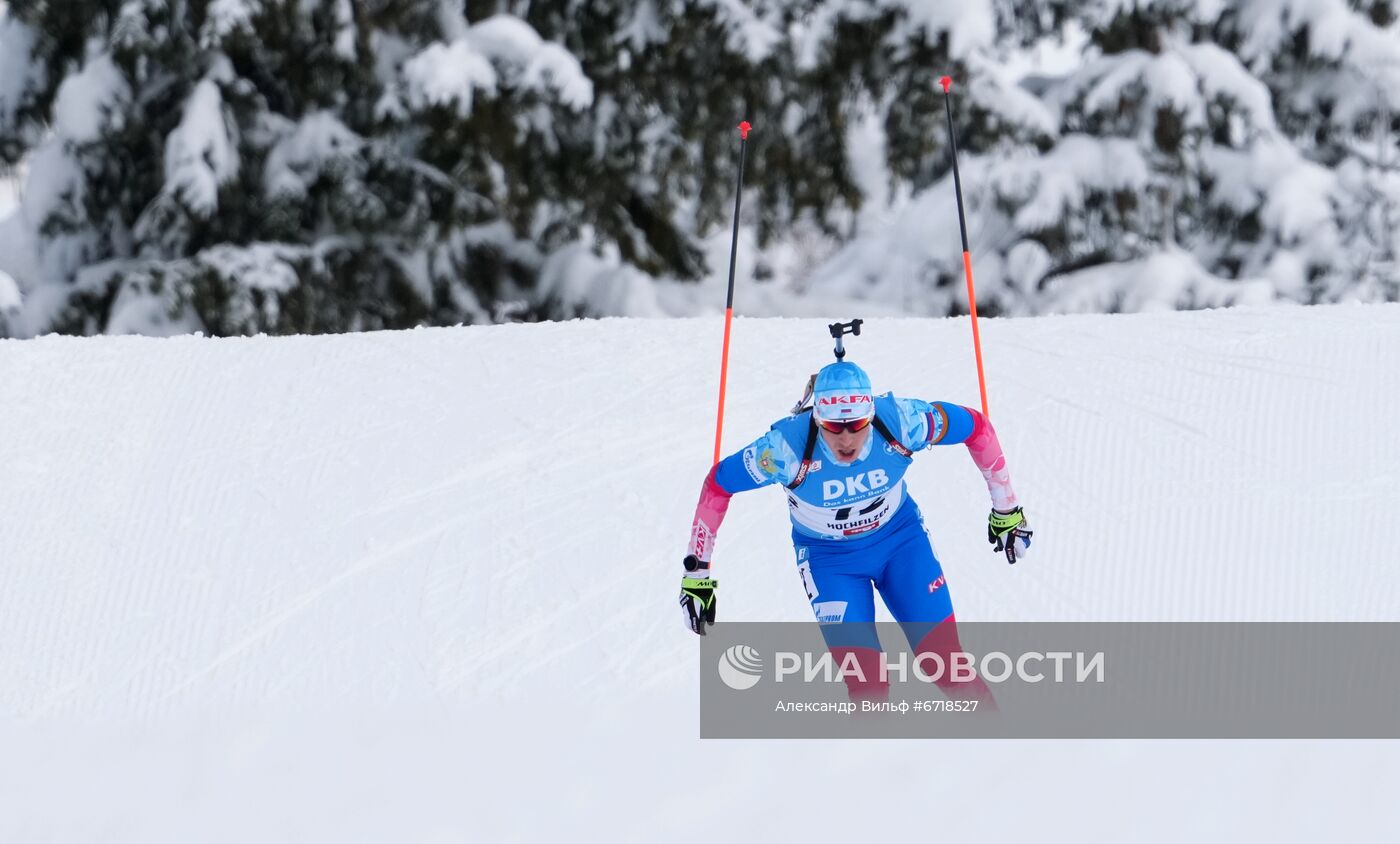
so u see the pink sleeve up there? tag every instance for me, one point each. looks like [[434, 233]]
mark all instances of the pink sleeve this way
[[986, 453], [714, 503]]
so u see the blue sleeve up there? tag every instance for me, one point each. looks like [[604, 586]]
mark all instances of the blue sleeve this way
[[768, 459], [924, 424]]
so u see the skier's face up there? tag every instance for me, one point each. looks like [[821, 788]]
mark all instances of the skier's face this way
[[847, 444]]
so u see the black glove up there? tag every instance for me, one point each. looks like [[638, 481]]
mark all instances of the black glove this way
[[698, 598], [1004, 528]]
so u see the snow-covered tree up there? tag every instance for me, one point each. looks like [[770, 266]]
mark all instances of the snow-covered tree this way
[[236, 166], [672, 79], [655, 153], [1201, 154], [312, 165], [1320, 215], [256, 165]]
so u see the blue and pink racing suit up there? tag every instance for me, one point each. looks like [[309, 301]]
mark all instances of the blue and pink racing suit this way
[[854, 526]]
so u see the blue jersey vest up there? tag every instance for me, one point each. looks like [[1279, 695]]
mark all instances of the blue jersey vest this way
[[847, 502]]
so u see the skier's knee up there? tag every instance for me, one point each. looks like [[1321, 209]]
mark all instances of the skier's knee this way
[[951, 667]]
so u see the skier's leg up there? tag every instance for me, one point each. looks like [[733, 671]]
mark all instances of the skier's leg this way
[[843, 600], [914, 588]]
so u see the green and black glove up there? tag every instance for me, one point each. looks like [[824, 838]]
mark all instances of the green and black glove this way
[[698, 598], [1004, 528]]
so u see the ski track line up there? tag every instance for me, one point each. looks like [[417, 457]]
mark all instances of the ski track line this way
[[266, 626]]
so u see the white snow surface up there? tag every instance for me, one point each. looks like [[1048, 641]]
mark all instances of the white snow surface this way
[[224, 17], [89, 103], [9, 195], [500, 48], [306, 589], [201, 155], [9, 293], [16, 40], [313, 144]]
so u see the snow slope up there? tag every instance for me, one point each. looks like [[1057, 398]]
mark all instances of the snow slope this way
[[420, 586]]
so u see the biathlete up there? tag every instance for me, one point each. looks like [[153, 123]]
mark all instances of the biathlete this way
[[841, 460]]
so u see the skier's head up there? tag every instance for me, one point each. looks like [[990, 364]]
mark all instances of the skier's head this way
[[843, 409], [841, 393]]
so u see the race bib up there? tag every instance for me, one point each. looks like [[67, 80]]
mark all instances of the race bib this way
[[848, 520]]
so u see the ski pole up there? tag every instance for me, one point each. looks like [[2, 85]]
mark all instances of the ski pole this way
[[729, 302], [947, 83]]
